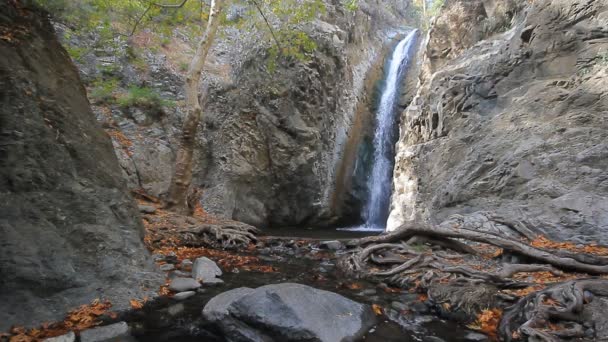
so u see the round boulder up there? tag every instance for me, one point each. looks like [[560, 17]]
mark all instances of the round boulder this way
[[288, 312]]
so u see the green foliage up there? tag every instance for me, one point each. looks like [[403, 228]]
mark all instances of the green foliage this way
[[75, 52], [103, 91], [602, 55], [184, 66], [114, 20], [352, 5], [143, 97]]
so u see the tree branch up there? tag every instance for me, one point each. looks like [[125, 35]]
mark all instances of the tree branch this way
[[276, 40]]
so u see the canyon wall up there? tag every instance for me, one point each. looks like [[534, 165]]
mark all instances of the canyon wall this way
[[511, 117], [272, 142], [69, 230]]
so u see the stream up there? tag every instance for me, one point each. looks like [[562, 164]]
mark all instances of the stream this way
[[404, 317]]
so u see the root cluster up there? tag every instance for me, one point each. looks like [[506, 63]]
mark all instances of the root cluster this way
[[466, 266]]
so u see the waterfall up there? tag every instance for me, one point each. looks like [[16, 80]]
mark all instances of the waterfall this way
[[379, 183]]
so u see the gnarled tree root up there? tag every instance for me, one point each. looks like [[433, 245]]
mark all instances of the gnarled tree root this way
[[460, 266], [228, 236], [562, 303]]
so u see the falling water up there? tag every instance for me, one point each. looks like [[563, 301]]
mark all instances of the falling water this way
[[379, 183]]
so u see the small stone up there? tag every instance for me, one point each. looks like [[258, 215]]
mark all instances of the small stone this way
[[112, 332], [369, 292], [183, 284], [184, 295], [186, 265], [399, 306], [147, 209], [69, 337], [420, 307], [332, 245], [158, 257], [176, 309], [206, 271], [475, 336], [267, 258], [433, 339], [167, 267], [424, 319]]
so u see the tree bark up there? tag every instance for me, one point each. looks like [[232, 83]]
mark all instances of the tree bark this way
[[182, 173]]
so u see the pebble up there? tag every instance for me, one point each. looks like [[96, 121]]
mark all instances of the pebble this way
[[184, 295], [369, 292], [332, 245], [112, 332], [176, 309], [433, 339], [420, 307], [167, 267], [183, 284], [69, 337], [399, 306], [475, 336], [206, 271], [147, 209]]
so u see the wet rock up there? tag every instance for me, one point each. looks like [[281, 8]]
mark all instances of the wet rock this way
[[69, 337], [184, 295], [399, 306], [420, 307], [176, 309], [167, 267], [475, 336], [146, 209], [433, 339], [183, 284], [186, 265], [117, 332], [288, 311], [206, 271], [332, 245], [368, 292]]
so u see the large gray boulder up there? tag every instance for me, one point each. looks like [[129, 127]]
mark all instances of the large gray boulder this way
[[288, 312], [69, 230]]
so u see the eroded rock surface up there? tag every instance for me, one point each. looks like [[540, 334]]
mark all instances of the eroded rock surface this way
[[511, 117], [69, 231]]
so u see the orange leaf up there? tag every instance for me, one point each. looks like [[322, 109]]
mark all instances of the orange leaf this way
[[377, 309], [136, 304]]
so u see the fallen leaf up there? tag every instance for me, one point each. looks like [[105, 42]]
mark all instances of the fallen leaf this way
[[377, 309]]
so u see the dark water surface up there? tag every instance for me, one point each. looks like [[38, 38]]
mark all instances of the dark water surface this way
[[155, 323]]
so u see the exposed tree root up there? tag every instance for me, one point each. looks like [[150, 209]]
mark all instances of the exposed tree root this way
[[229, 236], [462, 269], [532, 315]]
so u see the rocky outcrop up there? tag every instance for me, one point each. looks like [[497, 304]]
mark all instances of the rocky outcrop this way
[[288, 312], [69, 231], [511, 117], [272, 142]]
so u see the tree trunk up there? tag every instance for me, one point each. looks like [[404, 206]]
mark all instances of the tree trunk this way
[[182, 173]]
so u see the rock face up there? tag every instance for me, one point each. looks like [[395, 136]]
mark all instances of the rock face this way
[[69, 231], [288, 312], [511, 117], [272, 141]]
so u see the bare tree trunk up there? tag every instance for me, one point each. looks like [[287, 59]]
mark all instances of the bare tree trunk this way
[[182, 174]]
